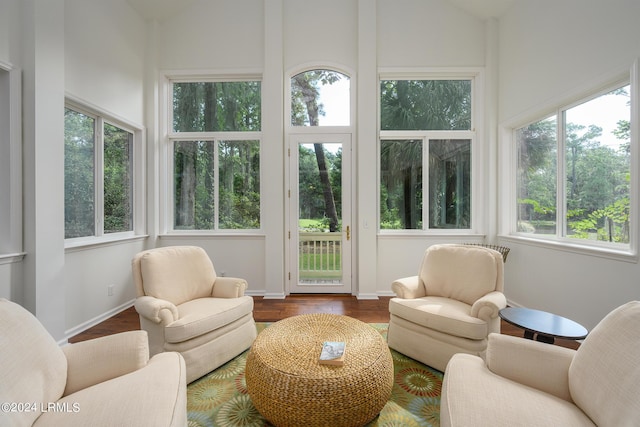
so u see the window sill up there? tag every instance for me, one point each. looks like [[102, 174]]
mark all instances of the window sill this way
[[11, 258], [212, 234], [422, 234], [576, 248], [79, 245]]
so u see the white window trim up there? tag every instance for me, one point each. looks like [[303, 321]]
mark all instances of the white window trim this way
[[475, 135], [11, 147], [138, 174], [166, 166], [507, 190]]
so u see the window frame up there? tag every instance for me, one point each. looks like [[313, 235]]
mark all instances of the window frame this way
[[167, 194], [474, 135], [138, 195], [508, 208], [11, 248]]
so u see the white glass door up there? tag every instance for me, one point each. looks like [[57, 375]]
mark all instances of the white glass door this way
[[320, 232]]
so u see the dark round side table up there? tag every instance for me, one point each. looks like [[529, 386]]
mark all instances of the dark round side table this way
[[545, 327]]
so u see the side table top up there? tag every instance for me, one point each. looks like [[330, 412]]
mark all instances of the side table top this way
[[541, 322]]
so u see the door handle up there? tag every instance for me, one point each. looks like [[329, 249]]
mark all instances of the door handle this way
[[348, 230]]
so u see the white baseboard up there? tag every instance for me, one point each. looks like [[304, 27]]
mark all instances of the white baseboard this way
[[93, 322]]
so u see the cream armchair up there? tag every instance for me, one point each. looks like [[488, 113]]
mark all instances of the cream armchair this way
[[529, 383], [185, 307], [451, 306], [108, 381]]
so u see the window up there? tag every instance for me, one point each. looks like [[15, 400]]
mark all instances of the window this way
[[320, 98], [574, 172], [425, 154], [99, 174], [215, 155]]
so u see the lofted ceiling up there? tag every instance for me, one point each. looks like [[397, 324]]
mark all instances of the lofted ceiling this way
[[160, 10]]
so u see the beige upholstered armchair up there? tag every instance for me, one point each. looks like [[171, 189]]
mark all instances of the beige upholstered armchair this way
[[530, 383], [451, 306], [185, 307], [107, 381]]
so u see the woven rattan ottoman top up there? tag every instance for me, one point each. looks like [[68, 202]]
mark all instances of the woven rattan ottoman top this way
[[289, 387]]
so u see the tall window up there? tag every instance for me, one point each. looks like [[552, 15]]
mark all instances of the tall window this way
[[98, 175], [425, 154], [215, 141], [586, 149]]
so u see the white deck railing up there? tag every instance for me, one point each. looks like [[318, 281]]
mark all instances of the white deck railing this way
[[320, 255]]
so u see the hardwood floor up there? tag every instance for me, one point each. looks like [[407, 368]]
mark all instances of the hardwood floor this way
[[272, 310]]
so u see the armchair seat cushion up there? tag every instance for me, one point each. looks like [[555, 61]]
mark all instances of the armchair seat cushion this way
[[445, 315], [203, 315]]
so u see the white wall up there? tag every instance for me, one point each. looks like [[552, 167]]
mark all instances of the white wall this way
[[214, 34], [548, 51], [104, 52], [428, 33]]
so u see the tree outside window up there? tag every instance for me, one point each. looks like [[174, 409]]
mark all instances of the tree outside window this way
[[216, 178], [415, 158], [594, 149], [98, 194]]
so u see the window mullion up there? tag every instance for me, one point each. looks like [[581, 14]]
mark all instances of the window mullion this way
[[216, 184], [561, 184], [426, 199]]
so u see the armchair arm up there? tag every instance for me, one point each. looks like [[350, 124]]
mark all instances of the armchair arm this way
[[542, 366], [408, 287], [229, 287], [157, 310], [487, 307], [101, 359]]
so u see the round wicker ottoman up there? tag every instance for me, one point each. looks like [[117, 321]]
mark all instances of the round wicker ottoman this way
[[290, 388]]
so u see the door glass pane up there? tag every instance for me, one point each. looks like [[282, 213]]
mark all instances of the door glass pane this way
[[79, 182], [450, 183], [320, 98], [320, 213], [536, 177], [401, 184]]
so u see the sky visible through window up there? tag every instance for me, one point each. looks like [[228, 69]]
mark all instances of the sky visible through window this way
[[604, 111]]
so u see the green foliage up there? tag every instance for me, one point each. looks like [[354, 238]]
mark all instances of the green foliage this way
[[597, 179], [310, 191], [425, 104], [216, 106], [79, 187]]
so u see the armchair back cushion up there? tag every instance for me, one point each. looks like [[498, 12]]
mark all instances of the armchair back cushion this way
[[463, 273], [604, 376], [176, 273], [33, 367]]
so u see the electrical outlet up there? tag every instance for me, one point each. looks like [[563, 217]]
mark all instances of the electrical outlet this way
[[110, 290]]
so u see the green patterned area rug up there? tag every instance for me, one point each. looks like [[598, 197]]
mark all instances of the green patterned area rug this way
[[220, 398]]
